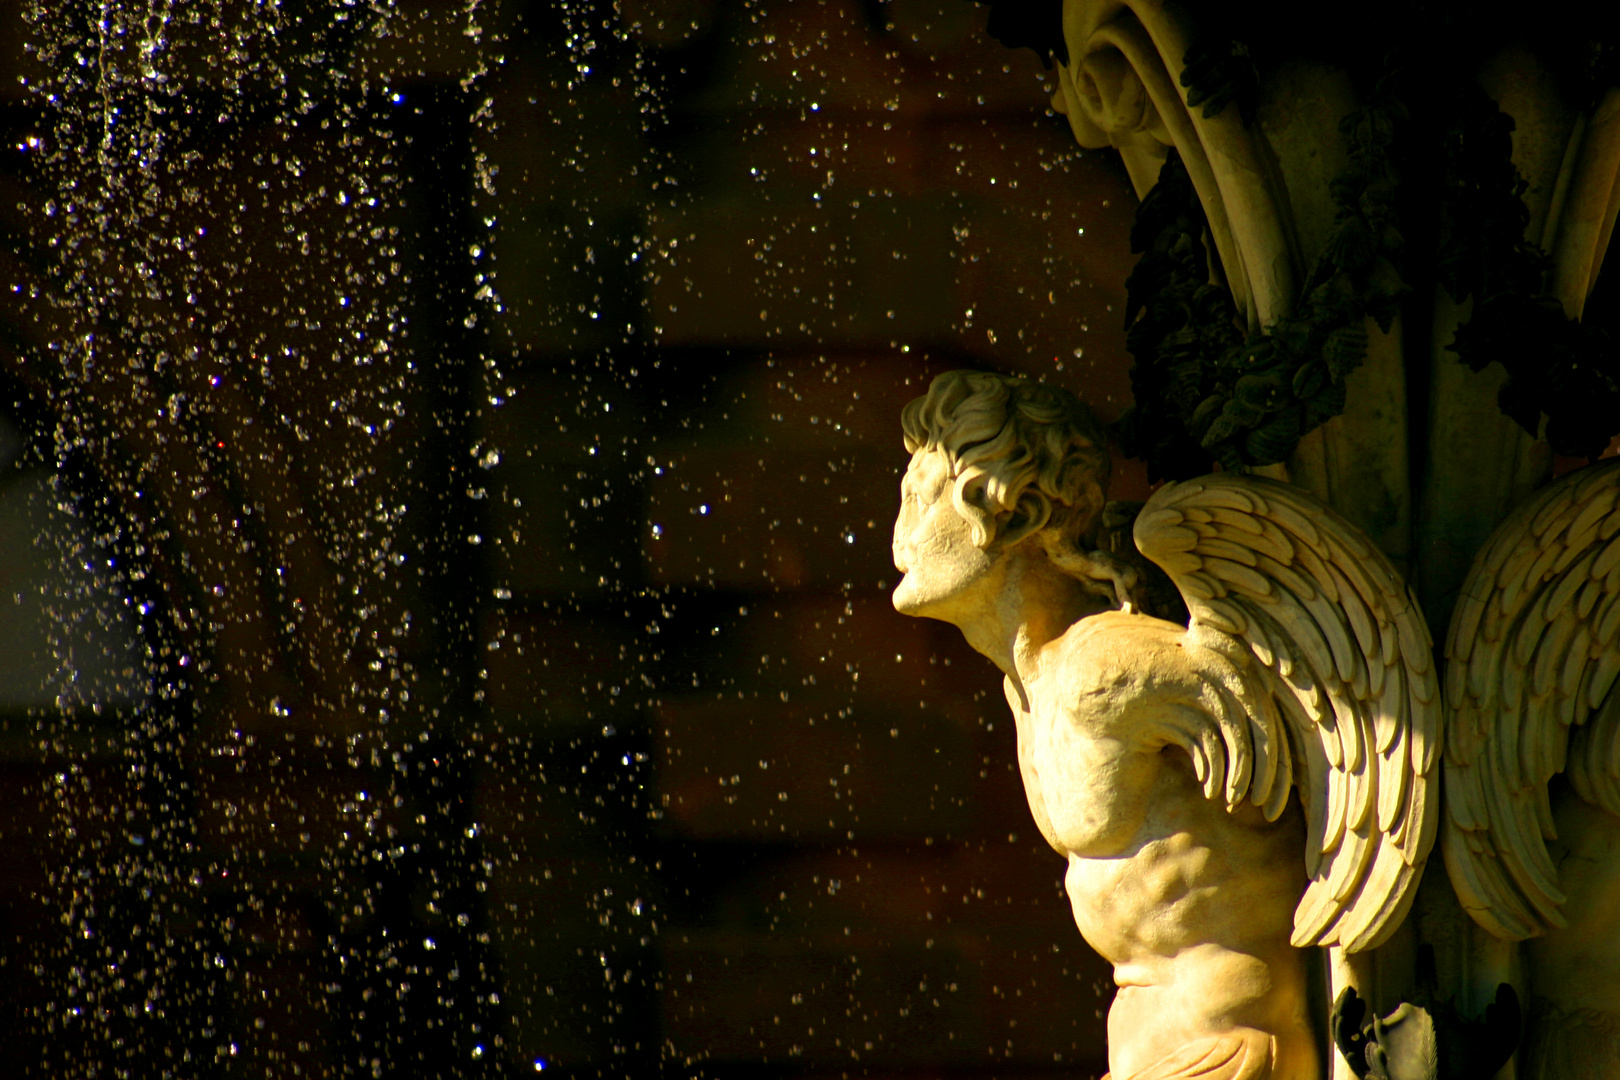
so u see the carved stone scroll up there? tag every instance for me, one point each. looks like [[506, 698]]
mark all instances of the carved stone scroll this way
[[1122, 88]]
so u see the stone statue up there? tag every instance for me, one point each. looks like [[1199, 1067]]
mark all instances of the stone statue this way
[[1532, 763], [1163, 760]]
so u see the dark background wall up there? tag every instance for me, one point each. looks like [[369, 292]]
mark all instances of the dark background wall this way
[[673, 790]]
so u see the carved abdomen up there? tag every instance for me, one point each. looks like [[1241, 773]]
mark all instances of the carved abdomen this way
[[1196, 916], [1195, 874]]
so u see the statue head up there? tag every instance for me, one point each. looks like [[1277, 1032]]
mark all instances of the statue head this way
[[997, 461]]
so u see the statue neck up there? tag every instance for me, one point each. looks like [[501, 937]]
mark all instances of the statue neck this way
[[1035, 604]]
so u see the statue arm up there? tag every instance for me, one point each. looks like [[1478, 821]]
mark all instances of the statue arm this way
[[1128, 690], [1034, 790]]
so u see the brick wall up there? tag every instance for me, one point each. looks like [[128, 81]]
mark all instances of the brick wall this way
[[677, 792], [835, 868]]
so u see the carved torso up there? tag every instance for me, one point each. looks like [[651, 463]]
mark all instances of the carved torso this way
[[1192, 904]]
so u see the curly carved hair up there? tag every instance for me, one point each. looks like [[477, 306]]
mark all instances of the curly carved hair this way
[[1006, 438]]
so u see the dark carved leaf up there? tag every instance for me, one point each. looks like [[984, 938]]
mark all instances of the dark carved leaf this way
[[1256, 355], [1205, 414], [1274, 440], [1217, 72], [1391, 244], [1234, 419], [1521, 405], [1384, 291], [1377, 202], [1293, 337], [1308, 380], [1261, 392], [1345, 350], [1336, 299], [1327, 404], [1351, 246], [1212, 303]]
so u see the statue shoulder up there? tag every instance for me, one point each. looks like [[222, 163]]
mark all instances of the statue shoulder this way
[[1120, 657]]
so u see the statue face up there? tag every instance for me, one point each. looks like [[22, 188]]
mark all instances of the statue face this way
[[933, 546]]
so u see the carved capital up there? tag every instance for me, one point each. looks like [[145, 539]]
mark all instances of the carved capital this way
[[1121, 87]]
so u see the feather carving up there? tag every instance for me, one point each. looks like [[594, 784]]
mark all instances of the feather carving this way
[[1273, 577], [1531, 657]]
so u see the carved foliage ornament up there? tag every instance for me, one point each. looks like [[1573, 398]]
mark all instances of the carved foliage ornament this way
[[1563, 363], [1206, 392], [1245, 398]]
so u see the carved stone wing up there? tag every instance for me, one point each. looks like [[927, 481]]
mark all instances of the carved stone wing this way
[[1532, 651], [1344, 652]]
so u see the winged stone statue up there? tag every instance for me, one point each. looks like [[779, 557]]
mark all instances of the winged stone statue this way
[[1532, 763], [1228, 792]]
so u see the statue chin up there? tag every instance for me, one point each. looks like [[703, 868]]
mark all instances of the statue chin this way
[[945, 583], [921, 594], [906, 599]]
